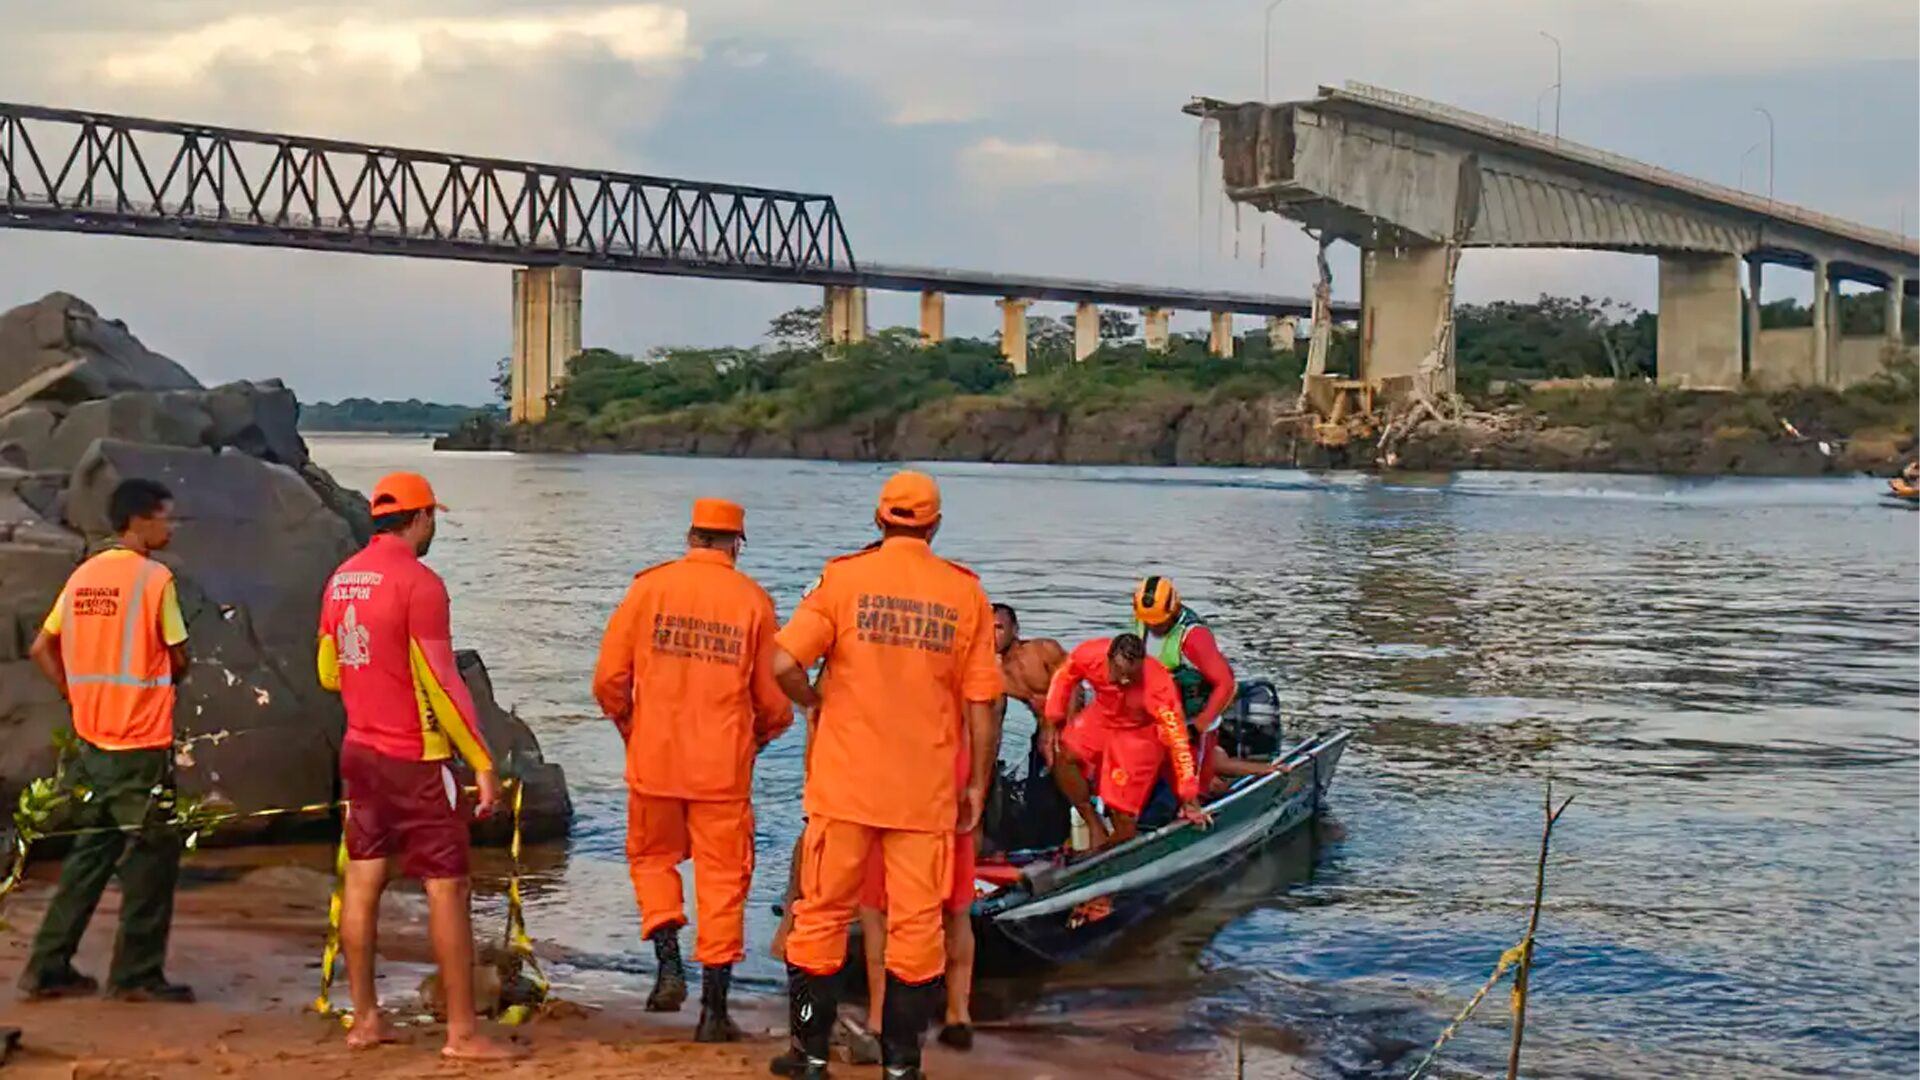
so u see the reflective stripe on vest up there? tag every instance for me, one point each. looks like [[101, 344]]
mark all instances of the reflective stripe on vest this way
[[129, 625], [1194, 688], [119, 669], [1172, 654]]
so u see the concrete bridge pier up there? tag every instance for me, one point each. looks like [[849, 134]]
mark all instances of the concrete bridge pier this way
[[1855, 359], [933, 317], [1086, 331], [546, 337], [1699, 322], [1220, 333], [843, 315], [1154, 322], [1013, 332], [1823, 321], [1404, 295]]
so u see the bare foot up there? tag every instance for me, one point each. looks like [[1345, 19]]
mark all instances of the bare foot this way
[[477, 1047], [369, 1032]]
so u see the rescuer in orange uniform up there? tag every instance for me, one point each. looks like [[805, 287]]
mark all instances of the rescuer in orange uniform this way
[[686, 674], [115, 645], [386, 647], [1133, 725], [911, 671]]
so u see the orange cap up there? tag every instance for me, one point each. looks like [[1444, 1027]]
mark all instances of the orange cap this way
[[909, 498], [402, 491], [719, 515]]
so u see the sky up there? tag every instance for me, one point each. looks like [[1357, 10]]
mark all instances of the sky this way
[[997, 135]]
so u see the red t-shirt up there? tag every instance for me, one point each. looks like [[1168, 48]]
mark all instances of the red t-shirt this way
[[386, 646]]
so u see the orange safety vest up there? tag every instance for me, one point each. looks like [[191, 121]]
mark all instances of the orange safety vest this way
[[119, 670]]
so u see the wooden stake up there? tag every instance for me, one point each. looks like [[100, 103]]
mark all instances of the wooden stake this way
[[1533, 924]]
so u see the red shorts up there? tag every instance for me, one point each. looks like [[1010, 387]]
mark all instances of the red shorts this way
[[413, 810], [873, 893], [1120, 762]]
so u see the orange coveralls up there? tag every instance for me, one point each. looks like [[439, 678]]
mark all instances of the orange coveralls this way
[[908, 639], [686, 670], [1120, 735]]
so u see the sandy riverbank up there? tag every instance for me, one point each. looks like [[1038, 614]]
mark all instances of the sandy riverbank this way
[[247, 936]]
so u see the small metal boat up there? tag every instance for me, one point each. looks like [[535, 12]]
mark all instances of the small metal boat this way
[[1057, 911]]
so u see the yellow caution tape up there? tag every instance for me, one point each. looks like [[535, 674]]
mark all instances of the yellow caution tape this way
[[1507, 960], [192, 816], [517, 939], [331, 952]]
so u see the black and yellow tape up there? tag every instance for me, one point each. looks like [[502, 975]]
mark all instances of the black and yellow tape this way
[[1507, 960], [42, 798]]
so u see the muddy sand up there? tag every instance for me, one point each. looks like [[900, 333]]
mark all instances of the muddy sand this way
[[248, 929]]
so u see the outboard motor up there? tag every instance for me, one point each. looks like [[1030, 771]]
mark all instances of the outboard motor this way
[[1254, 731]]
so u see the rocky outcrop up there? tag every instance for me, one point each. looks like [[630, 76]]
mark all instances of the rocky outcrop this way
[[260, 528], [1267, 432], [61, 328]]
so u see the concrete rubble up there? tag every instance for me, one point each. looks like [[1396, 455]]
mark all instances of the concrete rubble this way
[[261, 529]]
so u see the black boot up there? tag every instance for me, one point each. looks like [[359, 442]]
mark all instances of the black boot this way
[[903, 1023], [715, 1025], [670, 980], [812, 1003]]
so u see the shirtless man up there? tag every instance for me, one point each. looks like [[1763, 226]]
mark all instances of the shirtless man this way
[[1026, 667]]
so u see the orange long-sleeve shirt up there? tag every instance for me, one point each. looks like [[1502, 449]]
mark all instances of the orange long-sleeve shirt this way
[[908, 641], [1152, 699], [687, 657]]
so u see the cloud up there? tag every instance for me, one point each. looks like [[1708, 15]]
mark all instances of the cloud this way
[[639, 34], [994, 162]]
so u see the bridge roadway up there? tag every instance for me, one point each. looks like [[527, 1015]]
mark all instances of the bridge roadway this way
[[65, 170], [1413, 182]]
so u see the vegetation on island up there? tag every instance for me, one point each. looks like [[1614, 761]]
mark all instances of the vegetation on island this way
[[1514, 358], [793, 382], [409, 417]]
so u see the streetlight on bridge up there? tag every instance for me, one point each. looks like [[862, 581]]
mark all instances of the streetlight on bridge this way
[[1762, 110], [1266, 97], [1559, 83], [1266, 54]]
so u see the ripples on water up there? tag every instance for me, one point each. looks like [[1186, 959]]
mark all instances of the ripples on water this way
[[1723, 672]]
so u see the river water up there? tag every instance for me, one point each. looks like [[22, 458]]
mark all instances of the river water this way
[[1722, 672]]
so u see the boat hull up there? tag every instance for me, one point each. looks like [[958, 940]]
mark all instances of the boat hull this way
[[1060, 915]]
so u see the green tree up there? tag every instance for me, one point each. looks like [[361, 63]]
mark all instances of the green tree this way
[[503, 381], [798, 328]]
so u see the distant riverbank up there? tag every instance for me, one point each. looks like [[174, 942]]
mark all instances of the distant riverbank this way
[[1634, 428], [370, 417], [1526, 372]]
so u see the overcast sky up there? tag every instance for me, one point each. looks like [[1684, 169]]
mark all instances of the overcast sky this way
[[1038, 136]]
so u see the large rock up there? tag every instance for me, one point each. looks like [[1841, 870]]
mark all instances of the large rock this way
[[978, 429], [30, 710], [1139, 433], [546, 808], [259, 419], [24, 435], [251, 533], [175, 418], [60, 328], [254, 726]]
